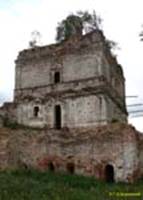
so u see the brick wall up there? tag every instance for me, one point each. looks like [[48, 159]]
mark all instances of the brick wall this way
[[83, 151]]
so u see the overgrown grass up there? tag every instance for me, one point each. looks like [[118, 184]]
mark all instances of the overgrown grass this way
[[34, 185]]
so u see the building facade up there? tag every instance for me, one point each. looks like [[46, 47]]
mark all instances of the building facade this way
[[73, 91], [77, 83]]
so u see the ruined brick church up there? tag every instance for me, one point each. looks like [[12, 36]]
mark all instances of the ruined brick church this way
[[71, 95], [77, 84]]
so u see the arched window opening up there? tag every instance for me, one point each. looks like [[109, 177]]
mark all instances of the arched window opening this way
[[109, 173], [57, 77], [58, 117], [51, 167], [36, 111], [71, 168]]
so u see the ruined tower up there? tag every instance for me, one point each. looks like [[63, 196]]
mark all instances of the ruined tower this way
[[77, 87], [76, 83]]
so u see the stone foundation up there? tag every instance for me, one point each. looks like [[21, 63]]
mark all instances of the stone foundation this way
[[88, 152]]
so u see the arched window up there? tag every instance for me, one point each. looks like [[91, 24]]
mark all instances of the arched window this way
[[70, 168], [57, 77], [58, 117], [109, 173], [36, 111]]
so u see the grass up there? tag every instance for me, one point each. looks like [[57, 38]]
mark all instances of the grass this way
[[34, 185]]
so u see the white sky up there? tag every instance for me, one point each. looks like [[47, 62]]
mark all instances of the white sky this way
[[122, 22]]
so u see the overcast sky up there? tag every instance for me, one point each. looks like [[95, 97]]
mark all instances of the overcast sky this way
[[122, 22]]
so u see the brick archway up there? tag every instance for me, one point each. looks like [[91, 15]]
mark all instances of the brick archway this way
[[51, 167], [70, 168], [109, 173]]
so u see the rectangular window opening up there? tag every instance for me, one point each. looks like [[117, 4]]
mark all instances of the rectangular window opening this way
[[57, 77]]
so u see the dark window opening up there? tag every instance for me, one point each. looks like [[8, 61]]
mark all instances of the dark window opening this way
[[57, 77], [109, 173], [70, 168], [51, 167], [36, 111], [57, 117]]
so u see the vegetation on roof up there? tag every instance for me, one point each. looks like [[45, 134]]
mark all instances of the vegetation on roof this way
[[76, 24]]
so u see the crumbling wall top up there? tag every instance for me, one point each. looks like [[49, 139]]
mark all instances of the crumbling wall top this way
[[72, 45]]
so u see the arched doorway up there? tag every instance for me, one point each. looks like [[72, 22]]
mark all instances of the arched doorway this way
[[51, 167], [109, 173], [70, 168], [58, 117]]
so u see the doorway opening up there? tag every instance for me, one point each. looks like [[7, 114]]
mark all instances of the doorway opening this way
[[71, 168], [109, 173], [58, 117], [51, 167]]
